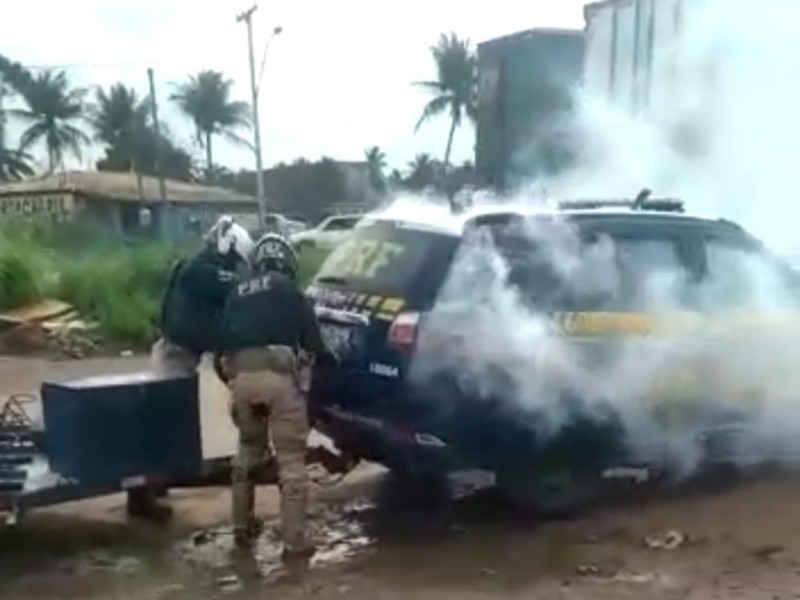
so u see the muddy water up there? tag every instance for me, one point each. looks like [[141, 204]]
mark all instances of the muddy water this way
[[375, 541]]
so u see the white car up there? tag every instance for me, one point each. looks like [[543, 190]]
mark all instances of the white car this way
[[328, 234], [280, 224]]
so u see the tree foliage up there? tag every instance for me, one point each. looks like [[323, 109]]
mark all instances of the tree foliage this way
[[454, 89], [54, 110], [122, 122], [376, 165], [206, 99]]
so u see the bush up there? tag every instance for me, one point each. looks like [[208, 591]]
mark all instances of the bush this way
[[121, 289], [24, 268], [118, 286], [18, 281]]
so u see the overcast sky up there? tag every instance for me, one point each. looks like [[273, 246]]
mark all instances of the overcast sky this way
[[336, 81]]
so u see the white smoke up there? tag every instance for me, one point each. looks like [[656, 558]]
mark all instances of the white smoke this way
[[667, 383], [722, 127], [723, 138]]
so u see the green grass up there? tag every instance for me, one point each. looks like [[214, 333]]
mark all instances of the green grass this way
[[118, 286]]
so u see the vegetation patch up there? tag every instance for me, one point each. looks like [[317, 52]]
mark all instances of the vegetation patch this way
[[118, 286]]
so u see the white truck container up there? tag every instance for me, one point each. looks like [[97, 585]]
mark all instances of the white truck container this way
[[631, 50]]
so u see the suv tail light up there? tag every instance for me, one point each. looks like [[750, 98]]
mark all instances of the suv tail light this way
[[403, 330]]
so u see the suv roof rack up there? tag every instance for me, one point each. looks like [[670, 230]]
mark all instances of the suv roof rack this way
[[641, 202]]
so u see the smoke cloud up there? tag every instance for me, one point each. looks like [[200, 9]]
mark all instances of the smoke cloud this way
[[717, 351]]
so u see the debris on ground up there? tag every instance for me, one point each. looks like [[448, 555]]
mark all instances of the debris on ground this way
[[588, 570], [102, 561], [665, 540], [229, 584], [768, 552], [47, 325]]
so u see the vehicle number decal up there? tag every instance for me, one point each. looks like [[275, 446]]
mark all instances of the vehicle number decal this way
[[384, 370]]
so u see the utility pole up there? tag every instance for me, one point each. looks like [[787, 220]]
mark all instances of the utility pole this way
[[162, 188], [247, 18]]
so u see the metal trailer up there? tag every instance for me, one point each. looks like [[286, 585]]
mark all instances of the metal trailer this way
[[27, 447], [525, 91]]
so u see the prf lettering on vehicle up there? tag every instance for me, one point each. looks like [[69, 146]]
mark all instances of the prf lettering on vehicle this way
[[365, 258]]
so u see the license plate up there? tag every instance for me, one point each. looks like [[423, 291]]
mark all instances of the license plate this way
[[338, 339]]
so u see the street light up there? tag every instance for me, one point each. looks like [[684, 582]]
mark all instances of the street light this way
[[275, 32], [247, 18]]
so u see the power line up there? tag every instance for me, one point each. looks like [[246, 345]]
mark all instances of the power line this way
[[97, 65]]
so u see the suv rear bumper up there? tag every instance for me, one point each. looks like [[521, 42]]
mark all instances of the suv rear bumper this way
[[383, 442]]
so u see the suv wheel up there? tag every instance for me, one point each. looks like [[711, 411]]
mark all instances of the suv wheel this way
[[557, 494], [420, 489]]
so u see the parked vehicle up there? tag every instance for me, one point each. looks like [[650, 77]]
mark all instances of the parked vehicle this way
[[328, 234], [277, 223], [375, 298]]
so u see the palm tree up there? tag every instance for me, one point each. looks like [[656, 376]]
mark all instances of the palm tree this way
[[121, 121], [118, 115], [454, 87], [205, 99], [376, 163], [53, 110], [422, 172], [14, 164], [396, 178]]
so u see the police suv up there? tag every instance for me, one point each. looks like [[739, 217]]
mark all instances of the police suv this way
[[377, 297]]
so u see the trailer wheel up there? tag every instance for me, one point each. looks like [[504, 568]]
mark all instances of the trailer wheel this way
[[143, 503]]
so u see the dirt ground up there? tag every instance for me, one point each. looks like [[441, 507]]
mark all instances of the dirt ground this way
[[375, 544]]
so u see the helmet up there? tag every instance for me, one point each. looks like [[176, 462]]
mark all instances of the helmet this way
[[273, 253], [229, 239]]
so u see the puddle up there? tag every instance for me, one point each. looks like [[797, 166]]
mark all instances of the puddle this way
[[339, 533]]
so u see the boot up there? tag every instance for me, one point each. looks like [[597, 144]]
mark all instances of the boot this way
[[245, 526]]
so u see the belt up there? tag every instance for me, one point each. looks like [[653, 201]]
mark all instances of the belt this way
[[281, 359]]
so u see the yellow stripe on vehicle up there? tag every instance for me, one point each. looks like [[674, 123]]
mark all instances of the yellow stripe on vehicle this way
[[641, 323], [392, 305], [599, 323]]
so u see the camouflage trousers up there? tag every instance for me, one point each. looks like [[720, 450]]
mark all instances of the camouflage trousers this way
[[171, 360], [268, 410]]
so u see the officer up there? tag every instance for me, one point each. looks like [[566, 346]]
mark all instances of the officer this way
[[190, 311], [267, 324], [195, 296]]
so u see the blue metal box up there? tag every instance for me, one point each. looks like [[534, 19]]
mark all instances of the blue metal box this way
[[100, 430]]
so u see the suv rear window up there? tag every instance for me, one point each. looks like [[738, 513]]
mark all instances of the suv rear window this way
[[741, 276], [556, 267], [384, 257]]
